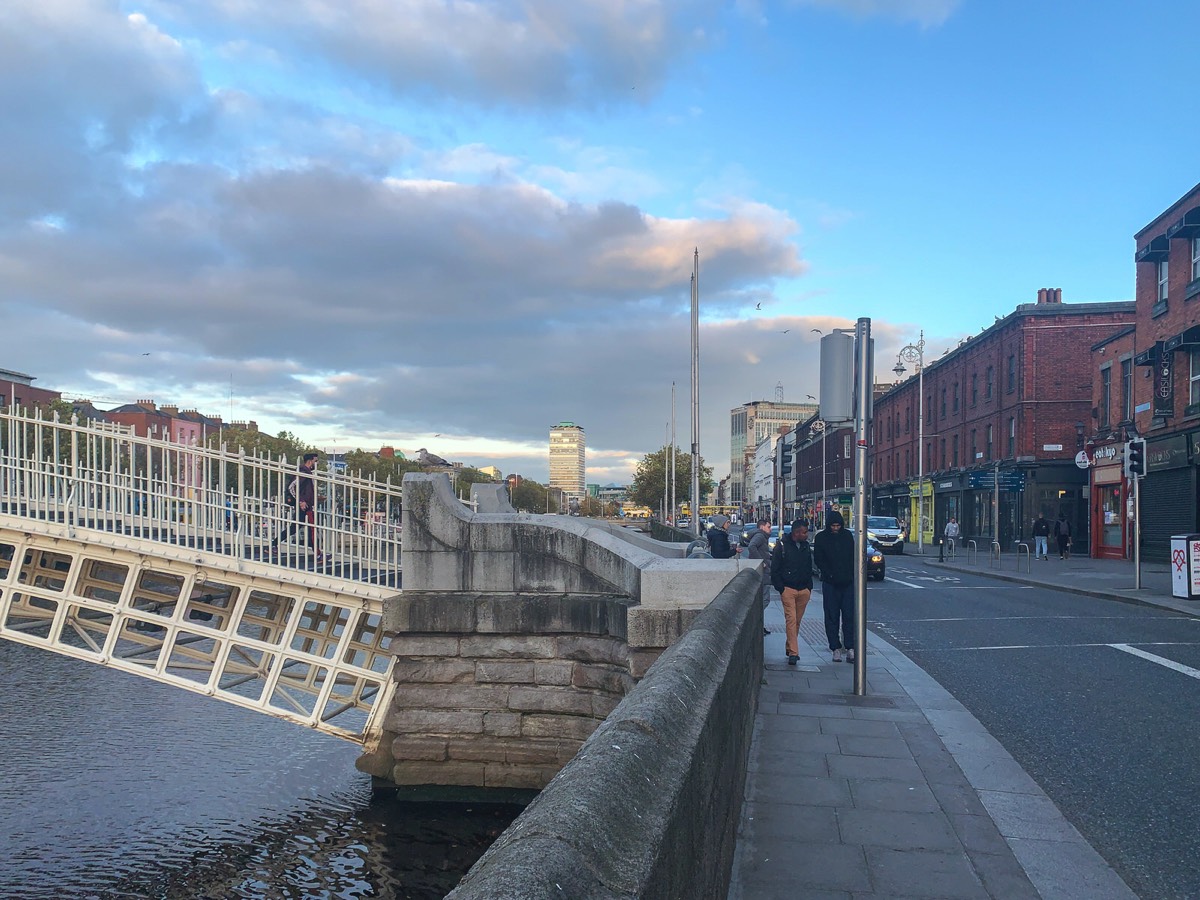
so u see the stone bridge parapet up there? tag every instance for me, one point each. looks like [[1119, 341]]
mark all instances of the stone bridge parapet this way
[[517, 634]]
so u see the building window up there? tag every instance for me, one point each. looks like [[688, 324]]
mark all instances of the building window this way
[[974, 388], [1195, 258], [974, 450], [943, 465], [943, 403], [1105, 394], [1127, 390], [1162, 280], [929, 410], [907, 463], [954, 447], [989, 443], [1012, 437], [907, 419], [956, 396], [846, 448], [1012, 372], [1194, 378], [991, 377]]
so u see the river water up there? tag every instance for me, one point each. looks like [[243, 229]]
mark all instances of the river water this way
[[114, 786]]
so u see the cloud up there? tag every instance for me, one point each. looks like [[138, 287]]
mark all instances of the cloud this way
[[928, 13]]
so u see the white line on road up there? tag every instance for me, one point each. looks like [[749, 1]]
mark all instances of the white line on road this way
[[1169, 663], [905, 583]]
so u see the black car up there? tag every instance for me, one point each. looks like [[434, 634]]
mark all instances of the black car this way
[[875, 564]]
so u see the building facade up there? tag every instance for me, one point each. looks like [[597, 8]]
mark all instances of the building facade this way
[[1165, 384], [16, 389], [1004, 416], [749, 424], [568, 460]]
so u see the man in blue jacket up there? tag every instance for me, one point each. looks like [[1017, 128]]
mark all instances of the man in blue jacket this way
[[833, 551], [792, 576]]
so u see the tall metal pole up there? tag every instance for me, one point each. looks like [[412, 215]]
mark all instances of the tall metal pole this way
[[862, 405], [996, 504], [1137, 534], [673, 506], [824, 431], [921, 447], [666, 471], [696, 393]]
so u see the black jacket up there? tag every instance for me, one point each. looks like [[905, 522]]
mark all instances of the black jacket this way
[[1041, 528], [791, 564], [834, 554], [718, 543]]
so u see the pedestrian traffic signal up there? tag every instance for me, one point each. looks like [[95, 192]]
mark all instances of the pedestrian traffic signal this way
[[1135, 458]]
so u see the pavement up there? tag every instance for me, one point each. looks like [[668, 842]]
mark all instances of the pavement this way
[[901, 792]]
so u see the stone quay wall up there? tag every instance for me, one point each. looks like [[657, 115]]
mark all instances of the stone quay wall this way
[[649, 806], [516, 635]]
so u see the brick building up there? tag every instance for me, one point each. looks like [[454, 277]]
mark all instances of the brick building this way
[[1166, 387], [1007, 408], [16, 389]]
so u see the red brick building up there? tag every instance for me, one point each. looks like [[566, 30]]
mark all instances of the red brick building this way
[[16, 389], [1166, 386], [1009, 407]]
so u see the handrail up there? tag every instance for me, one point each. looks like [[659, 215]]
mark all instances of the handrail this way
[[104, 477], [972, 553], [1022, 546], [994, 554]]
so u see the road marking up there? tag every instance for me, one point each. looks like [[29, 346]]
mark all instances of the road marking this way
[[905, 583], [1162, 661]]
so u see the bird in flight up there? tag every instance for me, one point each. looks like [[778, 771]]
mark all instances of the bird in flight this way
[[817, 330], [785, 331], [758, 305], [145, 354]]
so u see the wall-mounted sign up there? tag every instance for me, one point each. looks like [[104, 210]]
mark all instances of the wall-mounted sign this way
[[1164, 382], [1168, 453], [1050, 448], [1142, 407]]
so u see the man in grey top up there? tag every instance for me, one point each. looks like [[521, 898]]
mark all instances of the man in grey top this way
[[759, 547]]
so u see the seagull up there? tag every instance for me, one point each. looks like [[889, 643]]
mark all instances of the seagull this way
[[758, 305], [785, 331], [817, 330], [425, 458], [145, 354]]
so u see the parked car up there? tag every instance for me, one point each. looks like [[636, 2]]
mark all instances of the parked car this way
[[885, 532]]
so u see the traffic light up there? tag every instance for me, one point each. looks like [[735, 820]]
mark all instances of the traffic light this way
[[1135, 458], [785, 458]]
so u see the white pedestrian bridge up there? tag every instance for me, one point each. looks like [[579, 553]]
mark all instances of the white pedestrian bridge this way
[[154, 558]]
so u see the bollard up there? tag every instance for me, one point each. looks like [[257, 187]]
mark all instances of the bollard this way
[[941, 550]]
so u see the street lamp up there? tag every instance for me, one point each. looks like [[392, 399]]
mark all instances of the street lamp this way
[[915, 353], [820, 426]]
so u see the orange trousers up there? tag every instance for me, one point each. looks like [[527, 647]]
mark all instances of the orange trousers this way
[[794, 604]]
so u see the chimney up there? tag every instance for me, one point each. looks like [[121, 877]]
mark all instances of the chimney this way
[[147, 404], [1058, 295], [1042, 296], [170, 410]]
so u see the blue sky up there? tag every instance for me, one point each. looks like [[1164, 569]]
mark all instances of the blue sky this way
[[452, 225]]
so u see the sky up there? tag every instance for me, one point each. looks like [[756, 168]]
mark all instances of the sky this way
[[452, 224]]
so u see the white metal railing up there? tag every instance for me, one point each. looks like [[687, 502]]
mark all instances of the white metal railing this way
[[90, 475]]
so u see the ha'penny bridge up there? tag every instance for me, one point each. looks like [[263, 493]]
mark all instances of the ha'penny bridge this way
[[517, 654]]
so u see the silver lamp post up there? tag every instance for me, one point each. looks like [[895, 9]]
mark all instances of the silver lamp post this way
[[915, 353], [822, 427]]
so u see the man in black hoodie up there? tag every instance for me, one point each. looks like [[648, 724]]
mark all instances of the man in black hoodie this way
[[792, 576], [833, 551]]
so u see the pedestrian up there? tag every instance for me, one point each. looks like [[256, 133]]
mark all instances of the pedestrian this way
[[792, 576], [1062, 531], [833, 551], [1041, 536], [759, 547], [301, 496], [718, 538], [951, 536]]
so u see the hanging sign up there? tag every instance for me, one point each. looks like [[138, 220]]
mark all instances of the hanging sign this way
[[1164, 382]]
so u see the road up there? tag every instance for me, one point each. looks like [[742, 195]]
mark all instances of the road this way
[[1098, 700]]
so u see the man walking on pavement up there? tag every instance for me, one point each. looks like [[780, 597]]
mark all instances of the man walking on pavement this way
[[759, 547], [792, 576], [1041, 536], [1062, 531], [833, 552]]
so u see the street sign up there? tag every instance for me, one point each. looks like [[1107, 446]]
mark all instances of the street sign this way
[[1081, 459]]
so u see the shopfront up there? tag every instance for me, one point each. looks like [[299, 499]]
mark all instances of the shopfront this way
[[947, 503], [1168, 494], [920, 509], [1112, 503]]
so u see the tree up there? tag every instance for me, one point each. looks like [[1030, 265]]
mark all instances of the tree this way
[[649, 482]]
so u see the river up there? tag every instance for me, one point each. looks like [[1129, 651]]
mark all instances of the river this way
[[115, 786]]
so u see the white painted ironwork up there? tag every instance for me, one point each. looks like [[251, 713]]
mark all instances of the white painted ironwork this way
[[312, 655], [91, 476]]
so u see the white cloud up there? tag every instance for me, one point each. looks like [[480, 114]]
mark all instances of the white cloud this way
[[928, 13]]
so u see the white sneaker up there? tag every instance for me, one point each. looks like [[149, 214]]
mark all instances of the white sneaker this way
[[849, 656], [837, 655]]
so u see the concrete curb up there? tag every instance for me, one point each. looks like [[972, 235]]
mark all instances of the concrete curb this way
[[1057, 859]]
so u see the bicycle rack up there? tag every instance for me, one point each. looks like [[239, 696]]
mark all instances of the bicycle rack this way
[[972, 553], [1022, 546], [994, 555]]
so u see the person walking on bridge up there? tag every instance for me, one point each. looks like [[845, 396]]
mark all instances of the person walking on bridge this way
[[301, 496], [759, 547], [792, 576]]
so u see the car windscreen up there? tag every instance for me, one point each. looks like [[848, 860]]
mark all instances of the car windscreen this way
[[882, 522]]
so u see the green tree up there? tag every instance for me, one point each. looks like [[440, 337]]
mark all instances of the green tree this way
[[531, 496], [649, 482]]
